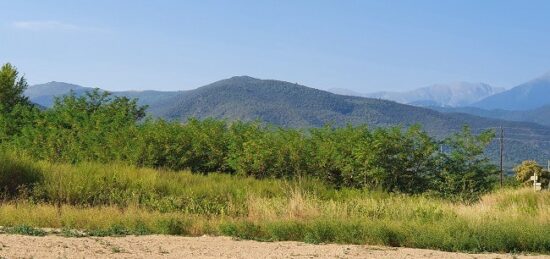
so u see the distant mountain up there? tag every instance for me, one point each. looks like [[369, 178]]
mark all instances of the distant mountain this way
[[452, 95], [443, 95], [292, 105], [527, 96], [44, 94], [540, 115]]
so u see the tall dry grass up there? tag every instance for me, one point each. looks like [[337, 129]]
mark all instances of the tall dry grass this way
[[116, 199]]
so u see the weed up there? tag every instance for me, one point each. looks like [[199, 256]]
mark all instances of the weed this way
[[26, 230]]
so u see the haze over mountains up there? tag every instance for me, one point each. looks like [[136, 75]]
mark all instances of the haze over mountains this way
[[292, 105], [529, 102], [442, 95]]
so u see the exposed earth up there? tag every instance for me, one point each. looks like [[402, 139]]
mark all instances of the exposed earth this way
[[157, 246]]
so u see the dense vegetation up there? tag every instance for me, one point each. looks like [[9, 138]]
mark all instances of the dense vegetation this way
[[96, 127], [291, 105], [115, 199]]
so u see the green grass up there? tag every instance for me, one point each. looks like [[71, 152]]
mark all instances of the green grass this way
[[26, 230], [115, 200]]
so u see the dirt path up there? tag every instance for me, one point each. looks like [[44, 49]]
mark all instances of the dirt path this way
[[16, 246]]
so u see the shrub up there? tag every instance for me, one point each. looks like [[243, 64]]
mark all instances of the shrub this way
[[17, 174], [26, 230]]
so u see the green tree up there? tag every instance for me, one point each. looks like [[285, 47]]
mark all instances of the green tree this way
[[12, 87], [401, 161], [93, 127], [465, 172], [528, 168], [16, 112]]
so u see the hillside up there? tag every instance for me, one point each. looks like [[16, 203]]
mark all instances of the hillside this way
[[531, 95], [294, 105], [443, 95]]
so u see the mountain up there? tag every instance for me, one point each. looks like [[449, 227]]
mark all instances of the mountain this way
[[292, 105], [540, 115], [443, 95], [44, 94], [527, 96]]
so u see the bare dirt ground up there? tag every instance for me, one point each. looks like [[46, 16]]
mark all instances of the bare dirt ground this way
[[17, 246]]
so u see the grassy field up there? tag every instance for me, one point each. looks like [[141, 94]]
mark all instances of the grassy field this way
[[116, 199]]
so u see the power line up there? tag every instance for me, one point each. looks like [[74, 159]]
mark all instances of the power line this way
[[545, 129], [527, 140], [530, 135]]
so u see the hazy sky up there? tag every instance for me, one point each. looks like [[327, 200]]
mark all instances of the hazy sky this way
[[360, 45]]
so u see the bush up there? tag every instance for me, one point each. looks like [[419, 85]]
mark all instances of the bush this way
[[529, 168], [17, 174]]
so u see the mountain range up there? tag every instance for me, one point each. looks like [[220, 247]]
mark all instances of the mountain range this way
[[539, 115], [530, 95], [439, 95], [292, 105], [529, 102]]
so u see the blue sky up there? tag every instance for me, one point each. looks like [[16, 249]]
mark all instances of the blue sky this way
[[365, 46]]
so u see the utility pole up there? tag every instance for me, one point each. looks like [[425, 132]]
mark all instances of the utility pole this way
[[501, 155]]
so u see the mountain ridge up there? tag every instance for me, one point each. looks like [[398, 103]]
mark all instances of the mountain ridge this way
[[529, 95], [444, 95]]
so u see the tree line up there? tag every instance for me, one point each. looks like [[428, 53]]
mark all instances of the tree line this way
[[102, 128]]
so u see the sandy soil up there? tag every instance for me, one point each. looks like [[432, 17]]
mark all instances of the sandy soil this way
[[16, 246]]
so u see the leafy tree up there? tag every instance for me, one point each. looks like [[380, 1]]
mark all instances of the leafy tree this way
[[161, 144], [528, 168], [465, 172], [402, 161], [332, 154], [91, 127], [12, 87], [16, 112]]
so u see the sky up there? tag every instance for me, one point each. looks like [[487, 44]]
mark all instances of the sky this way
[[364, 46]]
